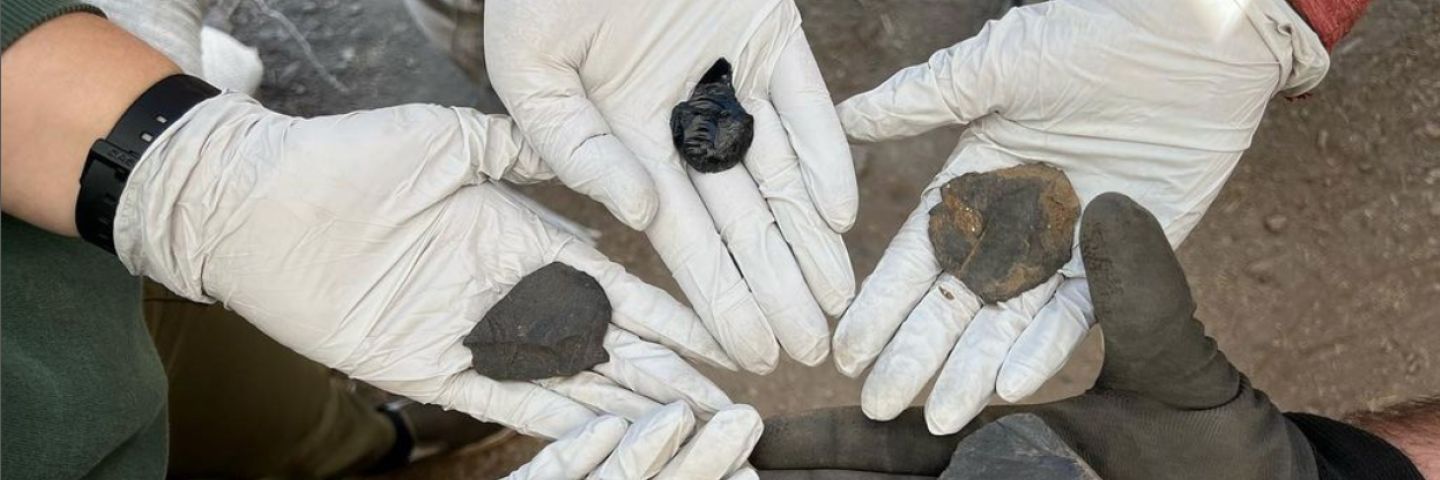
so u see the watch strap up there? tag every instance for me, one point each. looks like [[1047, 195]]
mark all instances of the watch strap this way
[[111, 159]]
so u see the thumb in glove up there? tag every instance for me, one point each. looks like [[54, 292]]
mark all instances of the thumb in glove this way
[[1154, 348], [1167, 404]]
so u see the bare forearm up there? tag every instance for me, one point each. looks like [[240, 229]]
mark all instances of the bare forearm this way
[[1413, 427], [65, 84], [1423, 451]]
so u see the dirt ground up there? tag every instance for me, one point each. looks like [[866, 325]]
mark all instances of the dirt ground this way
[[1317, 269]]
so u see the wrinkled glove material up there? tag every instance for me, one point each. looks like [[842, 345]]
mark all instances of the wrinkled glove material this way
[[756, 248], [373, 242], [1156, 100]]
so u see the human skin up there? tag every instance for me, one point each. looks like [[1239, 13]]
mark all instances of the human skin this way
[[65, 84], [1413, 427]]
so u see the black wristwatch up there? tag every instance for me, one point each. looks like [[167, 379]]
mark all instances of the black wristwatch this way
[[108, 165]]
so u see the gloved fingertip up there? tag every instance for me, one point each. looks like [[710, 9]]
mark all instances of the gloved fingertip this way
[[941, 424], [851, 359], [841, 291], [603, 168], [636, 209], [683, 409], [857, 127], [840, 215], [758, 363], [1018, 382], [935, 427], [745, 473], [946, 412], [843, 363], [741, 410], [847, 363], [836, 304], [757, 356], [761, 367], [609, 426], [710, 398], [815, 354], [812, 360], [877, 407], [741, 415]]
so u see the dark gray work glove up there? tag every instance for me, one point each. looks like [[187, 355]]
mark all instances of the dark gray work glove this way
[[1167, 404]]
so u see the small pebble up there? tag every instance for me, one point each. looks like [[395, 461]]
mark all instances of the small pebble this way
[[1262, 271], [1276, 223], [1432, 130]]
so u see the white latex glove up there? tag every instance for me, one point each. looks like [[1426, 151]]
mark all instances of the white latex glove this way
[[592, 85], [653, 446], [605, 449], [1156, 100], [176, 29], [373, 242], [229, 64], [576, 454]]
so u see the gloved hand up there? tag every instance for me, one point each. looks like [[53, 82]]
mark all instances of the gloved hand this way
[[592, 85], [373, 242], [1167, 404], [606, 449], [577, 454], [1156, 100]]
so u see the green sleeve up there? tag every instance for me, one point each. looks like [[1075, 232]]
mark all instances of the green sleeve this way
[[23, 15], [84, 390]]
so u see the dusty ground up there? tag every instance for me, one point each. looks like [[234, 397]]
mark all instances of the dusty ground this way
[[1317, 269]]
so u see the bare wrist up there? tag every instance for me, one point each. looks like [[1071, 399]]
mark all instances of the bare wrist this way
[[65, 85]]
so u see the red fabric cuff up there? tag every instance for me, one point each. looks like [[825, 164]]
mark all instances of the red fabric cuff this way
[[1331, 19]]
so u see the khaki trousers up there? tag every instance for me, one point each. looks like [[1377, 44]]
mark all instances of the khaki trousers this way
[[243, 406]]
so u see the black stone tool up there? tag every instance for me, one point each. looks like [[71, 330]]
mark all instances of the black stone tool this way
[[711, 130], [552, 324], [1006, 231]]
